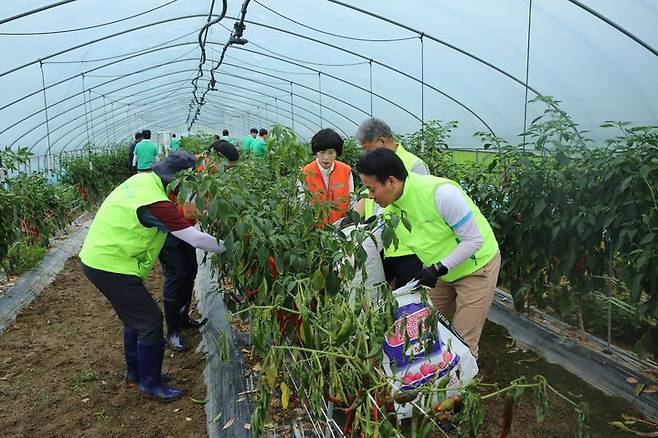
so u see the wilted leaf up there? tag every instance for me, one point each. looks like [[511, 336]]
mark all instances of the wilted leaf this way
[[228, 424], [285, 395], [619, 425], [651, 389], [639, 388], [632, 380]]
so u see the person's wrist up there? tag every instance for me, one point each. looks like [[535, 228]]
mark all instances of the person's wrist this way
[[440, 268]]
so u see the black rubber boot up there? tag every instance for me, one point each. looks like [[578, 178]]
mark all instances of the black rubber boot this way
[[130, 353], [149, 358]]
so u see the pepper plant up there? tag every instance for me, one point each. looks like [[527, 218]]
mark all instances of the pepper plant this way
[[293, 280]]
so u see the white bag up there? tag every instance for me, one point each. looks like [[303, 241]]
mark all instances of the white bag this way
[[414, 367], [373, 267]]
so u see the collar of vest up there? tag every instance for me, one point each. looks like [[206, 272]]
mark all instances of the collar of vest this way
[[156, 179], [401, 201]]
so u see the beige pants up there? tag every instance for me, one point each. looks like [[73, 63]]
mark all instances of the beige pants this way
[[470, 299]]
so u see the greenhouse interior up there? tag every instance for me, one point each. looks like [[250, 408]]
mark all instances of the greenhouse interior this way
[[337, 218]]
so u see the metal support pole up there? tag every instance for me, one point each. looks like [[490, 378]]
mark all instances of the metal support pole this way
[[84, 101], [422, 93], [130, 120], [292, 110], [610, 285], [107, 128], [527, 70], [370, 67], [114, 126], [276, 104], [91, 120], [45, 108], [320, 96]]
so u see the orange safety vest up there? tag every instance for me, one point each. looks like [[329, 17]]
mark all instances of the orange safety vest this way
[[338, 192]]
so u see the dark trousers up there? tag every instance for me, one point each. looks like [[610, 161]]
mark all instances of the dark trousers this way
[[131, 301], [179, 266], [401, 269]]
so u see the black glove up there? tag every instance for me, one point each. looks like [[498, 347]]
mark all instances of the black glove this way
[[429, 276]]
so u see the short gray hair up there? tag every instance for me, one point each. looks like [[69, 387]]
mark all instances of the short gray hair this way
[[371, 129]]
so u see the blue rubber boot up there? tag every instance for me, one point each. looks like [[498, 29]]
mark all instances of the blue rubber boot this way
[[130, 354], [149, 360]]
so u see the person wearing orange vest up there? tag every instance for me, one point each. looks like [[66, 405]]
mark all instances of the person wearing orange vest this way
[[330, 181]]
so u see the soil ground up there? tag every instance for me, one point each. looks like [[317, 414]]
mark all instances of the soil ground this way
[[61, 375], [62, 370]]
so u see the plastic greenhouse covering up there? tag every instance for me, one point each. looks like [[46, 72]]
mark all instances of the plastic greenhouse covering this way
[[78, 73], [564, 205]]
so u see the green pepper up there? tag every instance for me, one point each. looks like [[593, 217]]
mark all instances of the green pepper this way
[[345, 330]]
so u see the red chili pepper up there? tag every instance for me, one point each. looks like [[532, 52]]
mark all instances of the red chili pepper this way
[[252, 292], [272, 263]]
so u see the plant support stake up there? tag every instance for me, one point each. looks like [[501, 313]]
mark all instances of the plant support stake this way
[[45, 107]]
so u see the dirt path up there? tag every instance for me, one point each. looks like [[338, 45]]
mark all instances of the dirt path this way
[[61, 371]]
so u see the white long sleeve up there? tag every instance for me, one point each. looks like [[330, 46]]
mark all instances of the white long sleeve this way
[[199, 239], [451, 204]]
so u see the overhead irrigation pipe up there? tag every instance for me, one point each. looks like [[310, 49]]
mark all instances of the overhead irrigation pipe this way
[[203, 34], [234, 38], [34, 11]]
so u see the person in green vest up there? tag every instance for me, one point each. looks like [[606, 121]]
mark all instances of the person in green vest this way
[[122, 245], [247, 139], [146, 153], [227, 137], [447, 232], [400, 264], [175, 143], [259, 145]]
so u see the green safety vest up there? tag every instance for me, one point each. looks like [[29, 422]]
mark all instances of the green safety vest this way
[[175, 144], [117, 241], [409, 160], [232, 140], [431, 238]]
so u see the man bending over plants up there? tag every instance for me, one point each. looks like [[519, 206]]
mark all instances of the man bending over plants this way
[[445, 229], [117, 256], [400, 264], [179, 265]]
